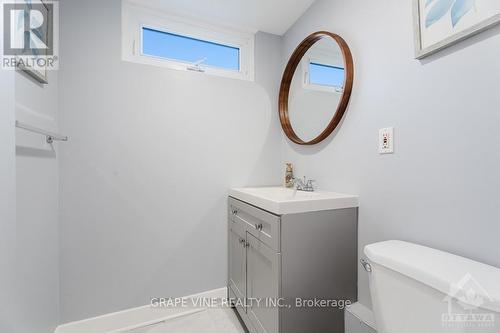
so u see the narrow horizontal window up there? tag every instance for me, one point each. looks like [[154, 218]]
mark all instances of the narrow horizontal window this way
[[326, 75], [156, 38], [189, 50]]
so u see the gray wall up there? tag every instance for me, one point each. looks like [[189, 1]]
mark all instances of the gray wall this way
[[441, 187], [153, 151]]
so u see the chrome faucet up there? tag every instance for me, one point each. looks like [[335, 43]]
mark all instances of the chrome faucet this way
[[304, 185]]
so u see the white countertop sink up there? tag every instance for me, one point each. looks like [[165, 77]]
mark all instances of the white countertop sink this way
[[280, 200]]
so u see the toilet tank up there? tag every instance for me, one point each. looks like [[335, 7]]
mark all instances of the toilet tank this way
[[417, 289]]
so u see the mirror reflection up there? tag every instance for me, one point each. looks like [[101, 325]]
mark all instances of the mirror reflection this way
[[316, 88]]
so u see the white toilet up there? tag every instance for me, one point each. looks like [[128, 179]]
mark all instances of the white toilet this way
[[416, 289]]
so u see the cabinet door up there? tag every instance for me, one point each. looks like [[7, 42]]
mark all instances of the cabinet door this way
[[263, 274], [237, 261]]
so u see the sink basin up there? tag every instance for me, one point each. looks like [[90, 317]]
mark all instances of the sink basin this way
[[280, 200]]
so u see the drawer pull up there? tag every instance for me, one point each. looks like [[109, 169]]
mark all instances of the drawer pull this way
[[256, 222]]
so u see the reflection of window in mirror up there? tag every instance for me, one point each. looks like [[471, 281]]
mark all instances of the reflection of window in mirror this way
[[323, 76]]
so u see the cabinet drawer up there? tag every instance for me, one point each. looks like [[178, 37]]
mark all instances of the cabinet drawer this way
[[262, 225]]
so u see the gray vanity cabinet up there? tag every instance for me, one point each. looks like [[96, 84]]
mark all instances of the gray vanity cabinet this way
[[278, 258]]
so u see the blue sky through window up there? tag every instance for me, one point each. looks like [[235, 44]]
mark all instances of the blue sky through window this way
[[187, 49], [325, 75]]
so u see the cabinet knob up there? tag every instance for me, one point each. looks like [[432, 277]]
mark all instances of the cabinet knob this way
[[259, 227], [234, 212], [242, 241], [247, 244]]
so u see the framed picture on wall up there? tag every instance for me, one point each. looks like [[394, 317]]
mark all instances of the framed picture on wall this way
[[42, 34], [441, 23]]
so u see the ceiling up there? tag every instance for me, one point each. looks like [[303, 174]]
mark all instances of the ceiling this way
[[271, 16]]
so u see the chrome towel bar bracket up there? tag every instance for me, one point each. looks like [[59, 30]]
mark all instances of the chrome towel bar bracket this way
[[50, 137]]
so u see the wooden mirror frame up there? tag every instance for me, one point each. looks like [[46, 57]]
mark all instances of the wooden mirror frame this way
[[286, 82]]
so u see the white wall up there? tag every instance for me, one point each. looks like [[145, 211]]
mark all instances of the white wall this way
[[37, 195], [441, 187], [310, 110], [153, 151], [8, 301], [309, 106], [28, 208]]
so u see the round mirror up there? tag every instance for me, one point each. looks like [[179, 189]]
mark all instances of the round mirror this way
[[316, 88]]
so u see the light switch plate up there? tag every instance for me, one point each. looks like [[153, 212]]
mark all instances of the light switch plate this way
[[386, 140]]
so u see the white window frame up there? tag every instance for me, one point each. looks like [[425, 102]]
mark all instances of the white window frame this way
[[306, 82], [136, 17]]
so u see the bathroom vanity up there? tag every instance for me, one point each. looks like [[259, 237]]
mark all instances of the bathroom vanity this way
[[285, 247]]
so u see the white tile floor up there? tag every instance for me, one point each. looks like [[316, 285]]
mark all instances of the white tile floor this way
[[208, 321]]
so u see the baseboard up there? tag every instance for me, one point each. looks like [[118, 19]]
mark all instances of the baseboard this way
[[359, 319], [122, 321]]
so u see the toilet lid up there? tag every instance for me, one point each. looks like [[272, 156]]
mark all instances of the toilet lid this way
[[470, 282]]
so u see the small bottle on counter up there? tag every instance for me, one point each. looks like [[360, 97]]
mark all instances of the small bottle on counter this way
[[289, 175]]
